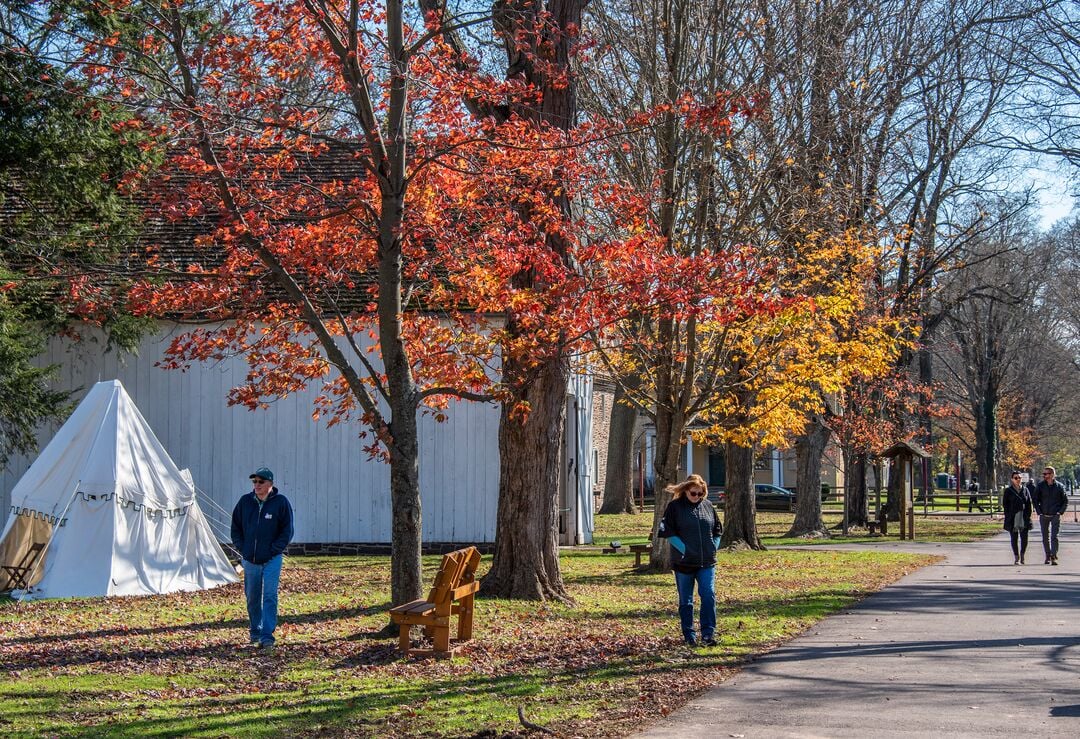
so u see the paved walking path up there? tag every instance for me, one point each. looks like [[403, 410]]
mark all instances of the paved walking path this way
[[971, 647]]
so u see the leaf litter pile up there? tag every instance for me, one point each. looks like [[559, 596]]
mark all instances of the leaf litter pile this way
[[609, 663]]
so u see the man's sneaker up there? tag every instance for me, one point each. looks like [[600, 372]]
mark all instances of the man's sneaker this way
[[1016, 561], [1053, 560], [1022, 560], [1047, 561], [708, 642]]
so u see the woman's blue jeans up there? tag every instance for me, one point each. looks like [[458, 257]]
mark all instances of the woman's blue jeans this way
[[684, 581], [260, 590]]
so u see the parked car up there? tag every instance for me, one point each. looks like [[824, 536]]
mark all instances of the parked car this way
[[767, 498], [773, 498]]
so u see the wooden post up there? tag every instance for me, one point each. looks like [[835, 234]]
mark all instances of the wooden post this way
[[911, 502], [903, 466]]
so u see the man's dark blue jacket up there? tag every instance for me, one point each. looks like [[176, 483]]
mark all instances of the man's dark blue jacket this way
[[1050, 500], [261, 532]]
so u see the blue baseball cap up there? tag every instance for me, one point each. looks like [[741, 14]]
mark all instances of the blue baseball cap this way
[[264, 473]]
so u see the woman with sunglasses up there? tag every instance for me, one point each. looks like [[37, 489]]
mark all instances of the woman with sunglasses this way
[[1016, 503], [692, 527]]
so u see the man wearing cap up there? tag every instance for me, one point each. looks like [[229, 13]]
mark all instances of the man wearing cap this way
[[262, 526]]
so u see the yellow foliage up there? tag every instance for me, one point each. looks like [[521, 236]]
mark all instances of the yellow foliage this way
[[756, 379]]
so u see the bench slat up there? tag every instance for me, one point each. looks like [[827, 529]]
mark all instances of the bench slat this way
[[408, 606], [467, 589]]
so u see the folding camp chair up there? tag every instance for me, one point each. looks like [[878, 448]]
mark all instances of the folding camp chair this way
[[18, 573]]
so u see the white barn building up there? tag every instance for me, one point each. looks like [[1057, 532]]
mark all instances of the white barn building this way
[[339, 494]]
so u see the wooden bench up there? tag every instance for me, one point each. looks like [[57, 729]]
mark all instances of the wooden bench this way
[[638, 550], [451, 593], [18, 573]]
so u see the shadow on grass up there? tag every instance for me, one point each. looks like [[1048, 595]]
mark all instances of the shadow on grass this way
[[613, 578], [221, 653], [369, 647], [204, 626], [375, 709]]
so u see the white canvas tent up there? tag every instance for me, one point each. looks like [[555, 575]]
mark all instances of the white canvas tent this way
[[115, 514]]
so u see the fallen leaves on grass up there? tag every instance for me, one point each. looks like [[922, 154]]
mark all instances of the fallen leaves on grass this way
[[606, 667]]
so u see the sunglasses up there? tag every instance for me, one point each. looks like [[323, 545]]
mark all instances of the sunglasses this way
[[695, 493], [1016, 477], [258, 480]]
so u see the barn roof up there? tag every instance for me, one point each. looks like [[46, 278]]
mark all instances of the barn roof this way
[[168, 248]]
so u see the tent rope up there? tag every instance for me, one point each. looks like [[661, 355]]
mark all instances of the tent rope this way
[[222, 530], [41, 558]]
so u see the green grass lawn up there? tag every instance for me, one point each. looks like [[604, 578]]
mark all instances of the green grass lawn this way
[[635, 528], [610, 663]]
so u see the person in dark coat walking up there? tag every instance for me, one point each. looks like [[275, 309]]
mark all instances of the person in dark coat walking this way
[[262, 527], [973, 497], [692, 527], [1016, 503], [1050, 501]]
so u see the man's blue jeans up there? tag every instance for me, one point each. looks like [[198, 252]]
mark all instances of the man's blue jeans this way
[[684, 581], [1049, 526], [260, 589]]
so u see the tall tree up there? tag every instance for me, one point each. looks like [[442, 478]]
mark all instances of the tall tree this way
[[618, 486], [62, 156], [539, 40], [936, 182], [344, 199], [735, 357]]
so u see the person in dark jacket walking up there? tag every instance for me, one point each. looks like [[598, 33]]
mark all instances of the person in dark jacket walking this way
[[1050, 502], [692, 527], [262, 526], [1016, 503], [973, 497]]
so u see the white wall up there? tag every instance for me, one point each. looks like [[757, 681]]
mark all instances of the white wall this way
[[578, 447], [338, 493]]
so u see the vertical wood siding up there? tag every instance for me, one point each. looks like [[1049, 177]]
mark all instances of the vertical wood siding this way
[[338, 493]]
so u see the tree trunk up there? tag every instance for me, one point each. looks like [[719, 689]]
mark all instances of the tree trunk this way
[[926, 423], [986, 439], [669, 431], [618, 486], [406, 582], [526, 561], [670, 426], [896, 489], [740, 524], [809, 449], [406, 577], [855, 494]]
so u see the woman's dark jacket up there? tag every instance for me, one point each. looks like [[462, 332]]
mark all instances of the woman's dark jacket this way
[[261, 533], [1015, 501], [697, 524]]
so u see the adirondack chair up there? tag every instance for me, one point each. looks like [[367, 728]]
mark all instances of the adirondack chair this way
[[451, 593]]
